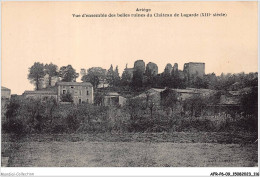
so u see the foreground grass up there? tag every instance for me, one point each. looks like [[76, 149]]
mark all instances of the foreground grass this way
[[134, 154], [177, 149], [175, 137]]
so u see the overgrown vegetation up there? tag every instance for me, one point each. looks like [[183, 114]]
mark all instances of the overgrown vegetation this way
[[34, 116]]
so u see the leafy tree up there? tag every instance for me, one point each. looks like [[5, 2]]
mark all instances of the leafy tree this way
[[67, 97], [36, 74], [116, 77], [126, 77], [166, 76], [94, 76], [150, 103], [195, 105], [68, 74], [98, 98], [73, 121], [170, 99], [51, 70], [12, 108], [32, 114], [176, 80], [83, 72], [215, 98], [210, 80], [249, 102], [137, 78], [110, 76], [134, 108], [50, 108], [150, 73], [200, 82]]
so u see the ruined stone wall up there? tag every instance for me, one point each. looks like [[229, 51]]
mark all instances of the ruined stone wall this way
[[139, 65], [196, 69], [151, 68]]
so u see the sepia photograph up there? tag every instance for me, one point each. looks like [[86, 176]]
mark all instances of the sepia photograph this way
[[129, 84]]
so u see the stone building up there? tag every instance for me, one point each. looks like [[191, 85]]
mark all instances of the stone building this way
[[5, 93], [175, 67], [194, 69], [168, 69], [153, 95], [81, 92], [40, 94], [113, 99], [139, 65]]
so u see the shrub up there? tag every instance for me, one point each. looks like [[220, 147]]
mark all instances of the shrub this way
[[73, 122], [12, 108], [14, 125], [34, 116], [67, 97], [59, 129]]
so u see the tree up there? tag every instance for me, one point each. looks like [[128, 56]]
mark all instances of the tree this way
[[110, 76], [150, 73], [126, 77], [176, 81], [170, 99], [50, 105], [36, 74], [68, 74], [12, 108], [195, 105], [116, 77], [150, 103], [67, 97], [210, 80], [134, 108], [98, 98], [249, 102], [51, 70], [94, 76], [83, 72], [166, 76]]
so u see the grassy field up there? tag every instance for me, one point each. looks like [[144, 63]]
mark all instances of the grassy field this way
[[88, 151]]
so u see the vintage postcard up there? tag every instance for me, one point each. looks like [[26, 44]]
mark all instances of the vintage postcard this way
[[129, 84]]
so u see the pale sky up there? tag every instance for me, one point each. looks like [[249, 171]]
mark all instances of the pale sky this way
[[46, 32]]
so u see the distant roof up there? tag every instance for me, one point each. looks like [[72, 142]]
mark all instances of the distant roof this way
[[4, 88], [185, 91], [39, 92], [112, 94], [158, 90], [225, 100], [75, 83], [236, 83], [196, 63], [151, 92], [188, 90], [53, 88], [235, 93]]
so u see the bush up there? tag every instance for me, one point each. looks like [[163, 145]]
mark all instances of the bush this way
[[59, 129], [72, 122], [67, 97], [34, 116], [13, 125]]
